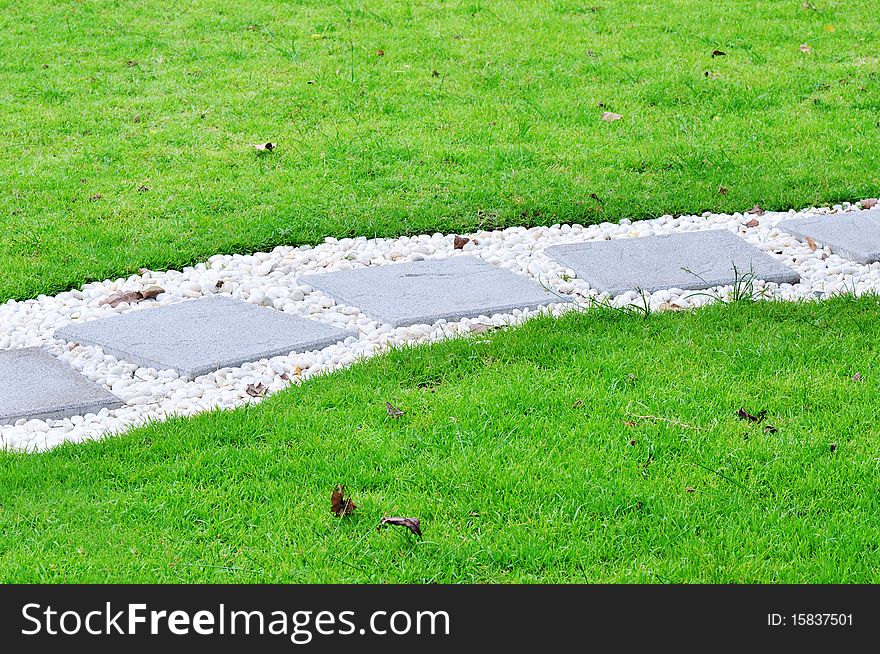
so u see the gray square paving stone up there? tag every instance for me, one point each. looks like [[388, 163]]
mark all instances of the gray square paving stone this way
[[195, 337], [687, 260], [853, 235], [423, 292], [35, 384]]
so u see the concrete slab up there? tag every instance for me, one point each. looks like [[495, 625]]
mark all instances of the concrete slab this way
[[195, 337], [853, 235], [689, 261], [35, 384], [423, 292]]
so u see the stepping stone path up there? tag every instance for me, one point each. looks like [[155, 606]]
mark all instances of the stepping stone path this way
[[688, 261], [852, 235], [423, 292], [195, 337], [35, 384]]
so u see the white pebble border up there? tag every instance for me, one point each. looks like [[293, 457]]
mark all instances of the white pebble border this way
[[272, 279]]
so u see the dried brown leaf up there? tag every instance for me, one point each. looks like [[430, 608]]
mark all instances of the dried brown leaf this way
[[258, 390], [745, 415], [812, 244], [393, 411], [340, 505], [752, 223], [147, 293], [264, 147], [690, 489], [380, 53], [857, 377], [459, 242], [412, 524], [868, 203], [722, 190], [806, 48], [610, 116], [756, 210], [718, 53], [770, 429]]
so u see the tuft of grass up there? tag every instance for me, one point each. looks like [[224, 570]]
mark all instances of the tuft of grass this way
[[126, 126], [600, 447]]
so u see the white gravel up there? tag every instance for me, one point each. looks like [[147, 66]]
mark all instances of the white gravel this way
[[272, 279]]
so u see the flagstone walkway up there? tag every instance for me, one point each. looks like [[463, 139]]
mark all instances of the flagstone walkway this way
[[227, 332]]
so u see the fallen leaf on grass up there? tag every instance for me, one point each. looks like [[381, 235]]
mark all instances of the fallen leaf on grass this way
[[745, 415], [393, 411], [340, 505], [410, 523], [610, 116], [770, 429], [857, 377], [718, 53], [722, 190], [756, 210], [459, 242], [132, 297], [256, 391], [806, 49], [869, 203], [633, 442], [95, 197], [689, 489], [577, 404], [264, 147], [812, 244], [380, 53]]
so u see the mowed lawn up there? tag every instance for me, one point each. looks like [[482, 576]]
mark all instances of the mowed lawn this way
[[598, 447], [126, 126]]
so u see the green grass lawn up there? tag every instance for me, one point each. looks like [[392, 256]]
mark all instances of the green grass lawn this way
[[126, 125], [521, 454]]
